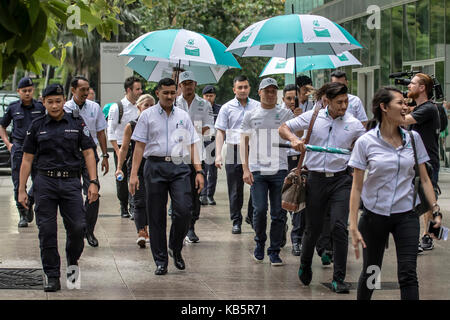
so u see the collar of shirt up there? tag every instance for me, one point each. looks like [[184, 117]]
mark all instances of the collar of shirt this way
[[28, 106], [161, 110], [403, 134], [65, 117], [236, 103]]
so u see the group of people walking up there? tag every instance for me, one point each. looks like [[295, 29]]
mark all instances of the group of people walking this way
[[173, 147]]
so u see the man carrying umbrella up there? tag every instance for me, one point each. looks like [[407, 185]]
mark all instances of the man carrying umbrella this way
[[329, 182], [202, 117]]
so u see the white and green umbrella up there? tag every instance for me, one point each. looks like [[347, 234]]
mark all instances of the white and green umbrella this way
[[153, 70], [293, 35], [286, 66], [180, 45]]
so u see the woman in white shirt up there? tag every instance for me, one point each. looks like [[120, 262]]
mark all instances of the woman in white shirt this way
[[387, 194]]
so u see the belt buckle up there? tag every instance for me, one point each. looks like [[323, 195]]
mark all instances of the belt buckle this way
[[167, 159], [329, 174], [58, 174], [294, 158]]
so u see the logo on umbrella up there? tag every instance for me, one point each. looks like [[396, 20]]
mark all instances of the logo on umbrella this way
[[190, 49], [281, 65], [320, 32], [247, 35], [342, 57]]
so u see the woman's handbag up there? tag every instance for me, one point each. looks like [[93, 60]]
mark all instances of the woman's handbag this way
[[424, 205], [293, 193]]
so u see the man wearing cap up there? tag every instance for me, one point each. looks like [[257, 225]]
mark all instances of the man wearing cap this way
[[207, 195], [21, 113], [265, 167], [59, 142], [201, 114], [166, 137], [92, 115], [229, 122]]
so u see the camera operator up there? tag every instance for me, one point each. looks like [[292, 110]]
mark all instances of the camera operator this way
[[425, 120]]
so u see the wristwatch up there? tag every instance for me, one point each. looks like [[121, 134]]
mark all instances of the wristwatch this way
[[201, 172], [96, 182], [106, 155]]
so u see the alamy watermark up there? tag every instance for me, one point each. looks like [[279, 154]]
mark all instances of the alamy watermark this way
[[74, 20], [374, 20], [374, 280], [73, 277]]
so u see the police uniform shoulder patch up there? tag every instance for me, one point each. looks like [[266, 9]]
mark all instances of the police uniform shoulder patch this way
[[86, 131]]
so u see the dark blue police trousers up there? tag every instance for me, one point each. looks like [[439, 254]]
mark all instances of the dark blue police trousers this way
[[65, 193], [91, 209], [162, 178], [16, 162]]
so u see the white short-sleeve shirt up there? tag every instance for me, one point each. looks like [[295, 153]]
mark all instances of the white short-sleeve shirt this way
[[165, 135], [230, 118], [388, 188], [356, 108], [328, 132], [262, 126], [116, 129], [92, 115]]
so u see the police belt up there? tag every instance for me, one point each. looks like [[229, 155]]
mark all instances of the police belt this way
[[167, 159], [328, 174], [57, 173]]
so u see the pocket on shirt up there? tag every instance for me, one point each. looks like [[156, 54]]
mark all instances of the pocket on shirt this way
[[45, 142], [18, 120]]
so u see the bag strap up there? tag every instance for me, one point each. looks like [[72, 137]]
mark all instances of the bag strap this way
[[416, 167], [308, 136], [120, 106]]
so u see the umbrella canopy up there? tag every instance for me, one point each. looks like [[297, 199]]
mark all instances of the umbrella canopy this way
[[176, 45], [277, 36], [155, 70], [286, 66]]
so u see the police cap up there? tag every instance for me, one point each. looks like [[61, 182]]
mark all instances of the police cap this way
[[209, 89], [53, 90], [25, 82]]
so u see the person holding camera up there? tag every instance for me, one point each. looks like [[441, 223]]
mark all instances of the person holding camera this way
[[386, 152], [425, 120]]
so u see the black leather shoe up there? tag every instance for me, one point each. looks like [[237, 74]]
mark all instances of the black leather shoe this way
[[178, 259], [203, 200], [211, 201], [30, 213], [296, 249], [124, 212], [23, 222], [236, 229], [161, 270], [52, 285], [92, 240]]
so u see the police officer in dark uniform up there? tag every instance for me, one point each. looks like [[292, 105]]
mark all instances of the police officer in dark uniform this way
[[58, 141], [207, 195], [21, 113]]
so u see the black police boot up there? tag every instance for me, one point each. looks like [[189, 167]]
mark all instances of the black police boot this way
[[124, 211], [23, 222], [177, 259], [203, 200], [211, 200], [91, 239], [52, 285], [30, 213]]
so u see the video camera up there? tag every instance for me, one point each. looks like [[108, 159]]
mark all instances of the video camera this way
[[437, 88]]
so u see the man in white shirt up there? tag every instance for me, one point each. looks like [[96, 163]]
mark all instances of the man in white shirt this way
[[329, 182], [201, 114], [265, 167], [92, 115], [118, 117], [229, 122]]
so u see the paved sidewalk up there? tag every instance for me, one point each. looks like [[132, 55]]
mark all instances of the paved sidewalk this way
[[220, 266]]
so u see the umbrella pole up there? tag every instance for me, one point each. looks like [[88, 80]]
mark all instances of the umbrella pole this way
[[178, 76], [295, 70]]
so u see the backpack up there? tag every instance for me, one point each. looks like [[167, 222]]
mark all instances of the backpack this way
[[442, 117], [120, 106]]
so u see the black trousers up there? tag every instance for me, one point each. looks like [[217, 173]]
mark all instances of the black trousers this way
[[140, 199], [235, 185], [323, 193], [65, 193], [122, 186], [16, 162], [210, 171], [196, 205], [375, 229], [91, 209], [162, 178]]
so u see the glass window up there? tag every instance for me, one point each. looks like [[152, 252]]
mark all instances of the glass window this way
[[356, 33], [354, 83], [396, 33], [437, 28], [385, 46], [440, 73], [409, 35], [423, 30], [365, 42], [447, 21]]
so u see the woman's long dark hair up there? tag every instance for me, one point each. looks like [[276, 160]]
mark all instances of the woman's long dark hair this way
[[383, 95]]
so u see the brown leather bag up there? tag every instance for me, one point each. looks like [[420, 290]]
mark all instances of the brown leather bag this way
[[293, 193]]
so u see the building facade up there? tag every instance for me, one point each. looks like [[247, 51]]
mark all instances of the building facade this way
[[397, 36]]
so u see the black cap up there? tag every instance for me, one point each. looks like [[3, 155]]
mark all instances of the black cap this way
[[209, 89], [25, 82], [303, 81], [53, 90]]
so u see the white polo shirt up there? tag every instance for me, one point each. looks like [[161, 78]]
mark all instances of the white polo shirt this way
[[356, 108], [262, 126], [165, 135], [328, 132], [230, 118], [92, 115], [116, 129], [200, 111], [388, 188]]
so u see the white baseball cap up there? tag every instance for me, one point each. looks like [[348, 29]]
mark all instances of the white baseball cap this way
[[268, 82], [187, 75]]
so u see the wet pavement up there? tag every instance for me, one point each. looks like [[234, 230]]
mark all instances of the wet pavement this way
[[220, 266]]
